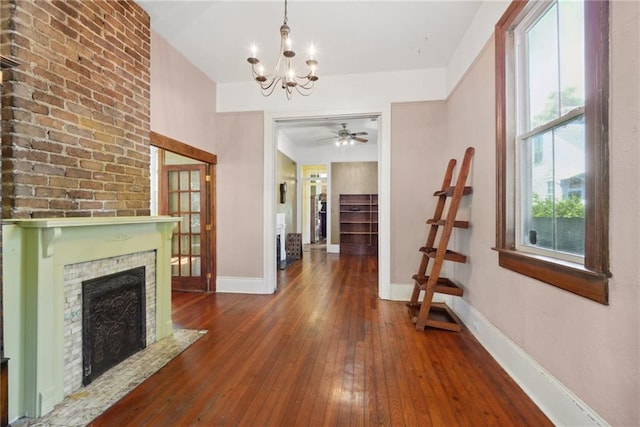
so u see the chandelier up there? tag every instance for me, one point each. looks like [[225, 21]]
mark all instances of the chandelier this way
[[284, 74]]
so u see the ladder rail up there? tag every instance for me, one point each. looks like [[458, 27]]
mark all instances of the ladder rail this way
[[433, 229]]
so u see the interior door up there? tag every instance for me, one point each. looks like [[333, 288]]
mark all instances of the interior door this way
[[187, 198]]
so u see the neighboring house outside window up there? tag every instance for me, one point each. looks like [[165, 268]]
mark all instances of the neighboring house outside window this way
[[551, 96]]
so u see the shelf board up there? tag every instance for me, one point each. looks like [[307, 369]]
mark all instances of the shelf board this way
[[449, 255], [449, 192], [443, 285], [443, 222], [440, 316], [368, 233]]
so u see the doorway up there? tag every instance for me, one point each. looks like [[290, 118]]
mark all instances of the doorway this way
[[185, 183], [314, 206], [320, 141]]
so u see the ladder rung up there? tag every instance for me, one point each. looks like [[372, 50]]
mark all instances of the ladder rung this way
[[440, 316], [449, 191], [449, 255], [459, 224], [443, 285]]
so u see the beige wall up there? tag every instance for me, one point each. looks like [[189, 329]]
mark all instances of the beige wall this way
[[287, 173], [418, 137], [240, 202], [591, 348], [183, 99], [350, 178]]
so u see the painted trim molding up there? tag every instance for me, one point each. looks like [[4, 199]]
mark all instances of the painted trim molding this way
[[241, 285], [333, 248], [558, 403]]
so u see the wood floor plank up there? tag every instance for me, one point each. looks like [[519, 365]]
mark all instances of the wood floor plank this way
[[322, 350]]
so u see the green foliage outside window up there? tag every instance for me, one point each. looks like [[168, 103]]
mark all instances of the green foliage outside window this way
[[570, 207]]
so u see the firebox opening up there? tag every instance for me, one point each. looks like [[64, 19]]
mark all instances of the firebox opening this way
[[113, 320]]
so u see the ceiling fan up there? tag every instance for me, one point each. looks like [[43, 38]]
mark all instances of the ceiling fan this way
[[345, 137]]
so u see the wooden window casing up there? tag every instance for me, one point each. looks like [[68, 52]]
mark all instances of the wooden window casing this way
[[590, 279]]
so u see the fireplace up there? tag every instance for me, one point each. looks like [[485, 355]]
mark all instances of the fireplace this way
[[113, 320], [45, 264]]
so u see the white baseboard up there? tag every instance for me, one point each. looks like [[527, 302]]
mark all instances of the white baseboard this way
[[333, 248], [241, 285], [554, 399]]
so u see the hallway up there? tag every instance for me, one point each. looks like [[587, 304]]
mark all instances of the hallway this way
[[323, 350]]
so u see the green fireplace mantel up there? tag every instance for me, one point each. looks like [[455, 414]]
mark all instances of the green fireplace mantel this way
[[35, 254]]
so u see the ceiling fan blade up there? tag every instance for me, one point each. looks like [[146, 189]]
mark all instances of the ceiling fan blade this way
[[355, 138], [359, 133]]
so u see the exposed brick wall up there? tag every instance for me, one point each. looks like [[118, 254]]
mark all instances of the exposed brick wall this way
[[75, 115]]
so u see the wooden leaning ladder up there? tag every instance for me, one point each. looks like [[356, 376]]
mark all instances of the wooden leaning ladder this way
[[427, 312]]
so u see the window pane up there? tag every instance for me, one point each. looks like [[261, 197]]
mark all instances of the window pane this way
[[175, 247], [173, 181], [195, 266], [571, 23], [195, 202], [552, 189], [195, 244], [184, 180], [542, 72], [184, 244], [538, 191], [184, 202], [195, 180], [184, 267], [195, 223], [569, 172], [175, 267], [173, 203]]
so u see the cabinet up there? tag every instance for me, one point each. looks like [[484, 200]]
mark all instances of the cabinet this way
[[359, 224]]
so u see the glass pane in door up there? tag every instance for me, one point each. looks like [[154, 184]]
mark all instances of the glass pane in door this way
[[184, 198]]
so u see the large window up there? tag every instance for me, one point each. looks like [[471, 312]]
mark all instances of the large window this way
[[551, 96]]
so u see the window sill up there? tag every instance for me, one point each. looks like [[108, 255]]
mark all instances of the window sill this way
[[562, 274]]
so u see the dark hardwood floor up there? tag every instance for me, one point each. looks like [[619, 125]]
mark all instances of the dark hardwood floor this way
[[323, 350]]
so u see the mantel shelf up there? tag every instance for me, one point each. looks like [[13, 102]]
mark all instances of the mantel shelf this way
[[89, 221]]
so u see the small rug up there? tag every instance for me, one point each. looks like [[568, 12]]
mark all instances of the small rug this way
[[81, 407]]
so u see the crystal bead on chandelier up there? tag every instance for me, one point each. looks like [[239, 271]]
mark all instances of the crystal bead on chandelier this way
[[284, 74]]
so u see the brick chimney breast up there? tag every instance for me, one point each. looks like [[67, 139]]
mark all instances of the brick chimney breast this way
[[75, 115]]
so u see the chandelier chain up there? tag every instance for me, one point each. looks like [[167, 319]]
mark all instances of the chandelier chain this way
[[285, 12]]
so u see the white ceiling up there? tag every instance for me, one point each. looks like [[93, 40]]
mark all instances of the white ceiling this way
[[349, 37]]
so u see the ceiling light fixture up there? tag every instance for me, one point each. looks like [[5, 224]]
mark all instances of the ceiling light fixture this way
[[284, 73], [342, 142]]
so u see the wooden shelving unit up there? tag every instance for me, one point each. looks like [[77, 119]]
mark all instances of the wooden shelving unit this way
[[359, 224], [426, 312]]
